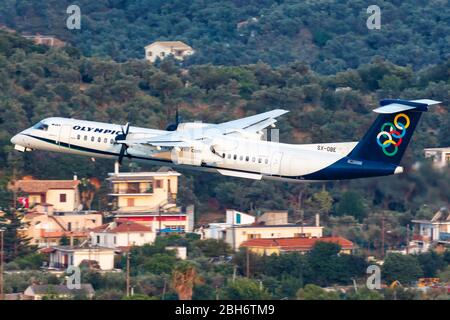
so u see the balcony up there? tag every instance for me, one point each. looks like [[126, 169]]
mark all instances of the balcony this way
[[444, 236], [132, 191], [63, 233], [418, 237]]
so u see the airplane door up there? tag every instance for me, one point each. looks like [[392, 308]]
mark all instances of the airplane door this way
[[275, 163], [64, 136]]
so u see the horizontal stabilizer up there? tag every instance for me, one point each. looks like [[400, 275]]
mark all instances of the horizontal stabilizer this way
[[398, 105]]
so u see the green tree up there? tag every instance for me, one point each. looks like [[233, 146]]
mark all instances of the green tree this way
[[245, 289], [323, 260], [351, 203], [403, 268], [15, 243], [313, 292]]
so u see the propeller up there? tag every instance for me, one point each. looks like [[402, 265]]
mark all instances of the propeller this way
[[174, 126], [123, 136]]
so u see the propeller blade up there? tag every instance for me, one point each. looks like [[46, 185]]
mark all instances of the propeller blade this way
[[123, 148], [125, 130]]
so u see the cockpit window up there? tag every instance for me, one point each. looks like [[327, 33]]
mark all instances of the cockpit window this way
[[41, 126]]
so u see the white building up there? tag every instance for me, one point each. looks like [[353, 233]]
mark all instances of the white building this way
[[240, 227], [440, 156], [431, 232], [121, 234], [180, 252], [62, 257], [218, 230], [179, 50]]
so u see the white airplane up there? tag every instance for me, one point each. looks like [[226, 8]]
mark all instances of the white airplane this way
[[236, 148]]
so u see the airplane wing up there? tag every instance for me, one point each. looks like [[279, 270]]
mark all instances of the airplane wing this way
[[252, 124], [193, 136]]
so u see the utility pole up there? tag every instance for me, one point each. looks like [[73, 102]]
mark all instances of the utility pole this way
[[382, 237], [2, 297], [248, 263], [128, 273], [407, 239]]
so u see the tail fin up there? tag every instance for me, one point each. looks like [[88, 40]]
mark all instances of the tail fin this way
[[387, 138]]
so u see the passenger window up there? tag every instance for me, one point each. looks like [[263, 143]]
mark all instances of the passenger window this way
[[229, 156], [105, 140], [78, 137], [223, 155], [259, 160], [267, 161], [85, 138], [112, 141], [235, 157], [92, 138], [247, 158], [241, 158], [99, 139], [253, 159]]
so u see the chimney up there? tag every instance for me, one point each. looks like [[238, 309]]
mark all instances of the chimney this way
[[317, 220], [75, 177]]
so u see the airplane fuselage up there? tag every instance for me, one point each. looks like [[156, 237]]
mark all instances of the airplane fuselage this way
[[232, 156]]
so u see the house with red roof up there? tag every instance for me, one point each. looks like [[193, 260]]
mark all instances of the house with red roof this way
[[62, 195], [266, 246], [122, 234]]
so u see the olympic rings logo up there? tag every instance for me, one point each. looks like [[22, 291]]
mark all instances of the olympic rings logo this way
[[394, 135]]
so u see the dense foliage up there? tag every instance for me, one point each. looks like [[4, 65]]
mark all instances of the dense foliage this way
[[38, 82], [330, 35]]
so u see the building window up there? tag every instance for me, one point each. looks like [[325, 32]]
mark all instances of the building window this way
[[98, 239], [69, 226], [115, 240], [158, 184], [142, 235], [62, 197], [163, 54], [130, 202], [149, 53]]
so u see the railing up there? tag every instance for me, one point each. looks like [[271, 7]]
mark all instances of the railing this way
[[61, 233], [133, 191], [57, 265], [444, 236], [419, 237]]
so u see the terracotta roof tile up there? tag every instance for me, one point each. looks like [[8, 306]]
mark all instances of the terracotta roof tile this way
[[296, 243], [41, 186], [122, 225]]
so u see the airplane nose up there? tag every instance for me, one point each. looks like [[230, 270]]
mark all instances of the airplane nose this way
[[16, 139]]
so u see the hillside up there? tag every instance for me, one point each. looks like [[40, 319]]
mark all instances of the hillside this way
[[37, 82], [330, 36]]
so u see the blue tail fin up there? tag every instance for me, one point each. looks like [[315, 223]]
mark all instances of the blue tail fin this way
[[387, 138]]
